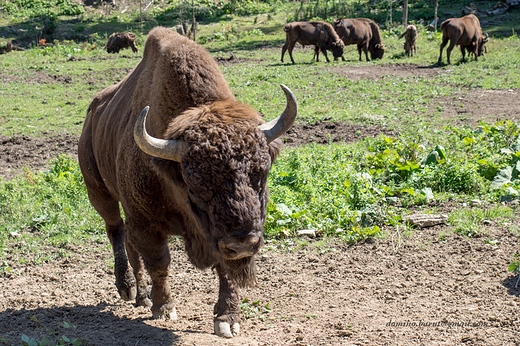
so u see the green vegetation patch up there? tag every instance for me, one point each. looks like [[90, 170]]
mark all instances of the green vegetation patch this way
[[42, 215]]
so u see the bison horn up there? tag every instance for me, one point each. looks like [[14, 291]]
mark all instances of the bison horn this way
[[162, 148], [486, 34], [277, 127]]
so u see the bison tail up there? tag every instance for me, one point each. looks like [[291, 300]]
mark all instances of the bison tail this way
[[443, 24]]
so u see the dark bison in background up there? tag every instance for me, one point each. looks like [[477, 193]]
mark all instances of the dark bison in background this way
[[120, 40], [317, 33], [465, 32], [363, 32], [410, 40], [193, 163]]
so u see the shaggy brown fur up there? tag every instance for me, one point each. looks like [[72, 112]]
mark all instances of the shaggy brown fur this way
[[363, 32], [410, 40], [317, 33], [218, 191], [465, 32], [118, 41]]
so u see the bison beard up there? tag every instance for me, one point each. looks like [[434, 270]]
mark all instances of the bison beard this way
[[242, 271]]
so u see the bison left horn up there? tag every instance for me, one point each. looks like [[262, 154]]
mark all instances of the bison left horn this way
[[165, 149], [277, 127]]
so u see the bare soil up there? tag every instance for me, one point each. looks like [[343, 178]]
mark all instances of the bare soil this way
[[430, 287]]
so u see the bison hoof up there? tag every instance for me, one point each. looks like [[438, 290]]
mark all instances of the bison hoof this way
[[127, 293], [165, 314], [225, 330], [143, 301]]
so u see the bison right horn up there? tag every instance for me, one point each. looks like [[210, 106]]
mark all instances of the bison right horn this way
[[167, 149], [277, 127]]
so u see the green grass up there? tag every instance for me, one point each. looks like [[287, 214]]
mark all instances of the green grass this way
[[42, 215], [348, 191], [473, 221]]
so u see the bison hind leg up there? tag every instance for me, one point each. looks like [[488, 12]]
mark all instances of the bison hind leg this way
[[125, 279]]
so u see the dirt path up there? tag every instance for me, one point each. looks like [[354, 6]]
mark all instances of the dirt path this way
[[365, 294]]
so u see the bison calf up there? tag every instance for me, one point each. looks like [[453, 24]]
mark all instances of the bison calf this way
[[410, 40], [465, 32], [120, 40], [363, 32], [317, 33]]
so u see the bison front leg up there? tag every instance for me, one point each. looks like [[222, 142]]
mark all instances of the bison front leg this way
[[143, 296], [156, 258], [324, 51], [463, 52], [316, 53], [359, 51], [227, 309]]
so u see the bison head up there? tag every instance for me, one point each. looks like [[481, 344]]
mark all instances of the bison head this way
[[482, 44], [224, 157], [337, 49], [377, 51]]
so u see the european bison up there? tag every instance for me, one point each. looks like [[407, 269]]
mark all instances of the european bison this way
[[194, 163], [120, 40], [410, 40], [465, 32], [317, 33], [363, 32]]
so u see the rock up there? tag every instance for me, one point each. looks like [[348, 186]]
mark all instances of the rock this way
[[426, 220], [306, 232]]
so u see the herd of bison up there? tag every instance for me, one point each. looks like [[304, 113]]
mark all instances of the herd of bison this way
[[183, 157], [363, 32]]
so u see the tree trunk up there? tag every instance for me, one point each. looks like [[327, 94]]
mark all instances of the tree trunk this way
[[194, 24], [435, 19], [405, 12]]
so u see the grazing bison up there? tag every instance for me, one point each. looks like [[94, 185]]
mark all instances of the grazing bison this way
[[317, 33], [194, 163], [465, 32], [410, 40], [120, 40], [363, 32]]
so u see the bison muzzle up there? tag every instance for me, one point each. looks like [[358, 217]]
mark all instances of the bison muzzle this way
[[172, 146]]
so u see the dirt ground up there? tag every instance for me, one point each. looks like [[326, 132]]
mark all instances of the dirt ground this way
[[430, 287]]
